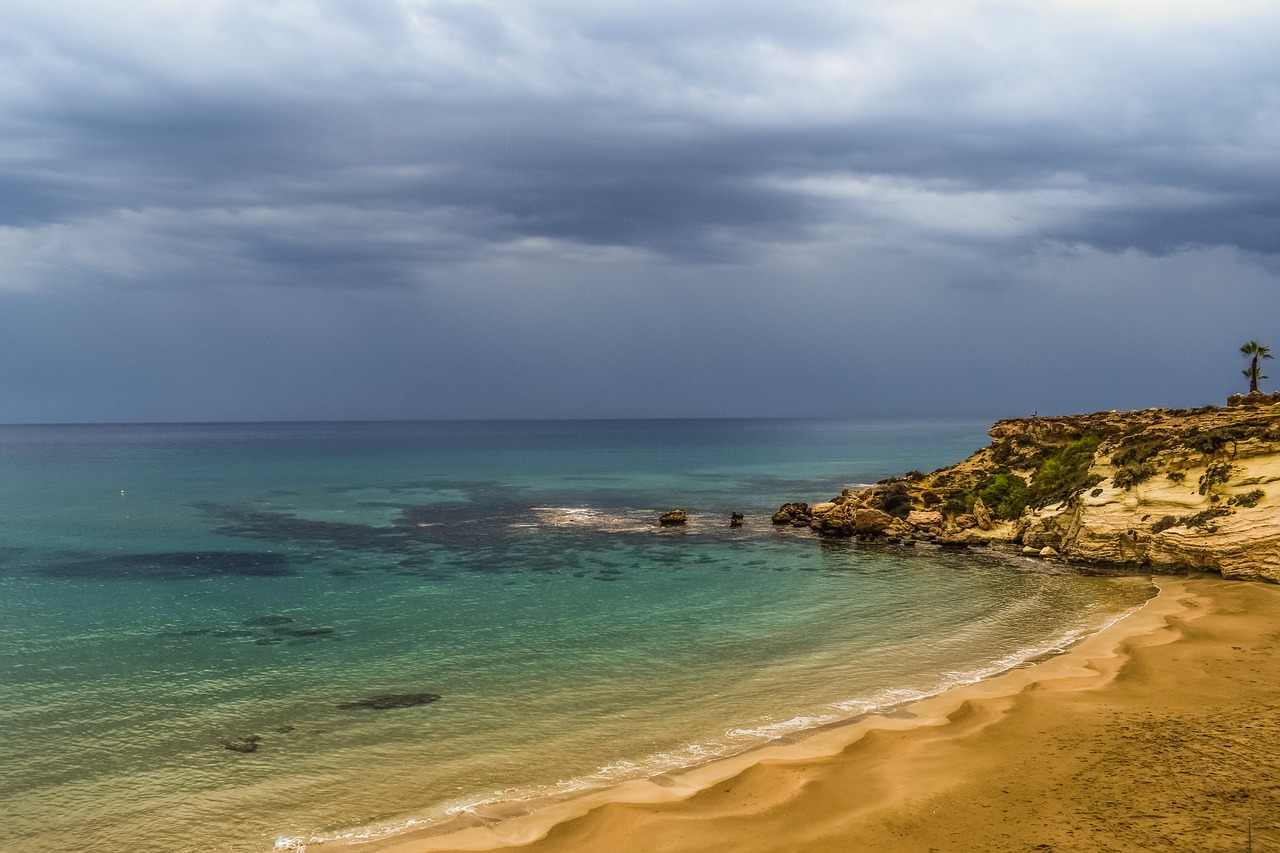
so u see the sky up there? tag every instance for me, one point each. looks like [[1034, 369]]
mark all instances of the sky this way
[[404, 209]]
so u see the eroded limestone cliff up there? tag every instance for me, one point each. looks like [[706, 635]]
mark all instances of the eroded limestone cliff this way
[[1159, 489]]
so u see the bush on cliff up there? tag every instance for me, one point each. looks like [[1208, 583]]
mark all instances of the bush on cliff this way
[[1248, 499], [1005, 494], [1066, 473], [891, 496], [1215, 473], [1133, 474], [1135, 452]]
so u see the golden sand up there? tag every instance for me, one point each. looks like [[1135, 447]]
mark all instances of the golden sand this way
[[1161, 732]]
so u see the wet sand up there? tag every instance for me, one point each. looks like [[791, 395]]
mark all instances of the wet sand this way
[[1160, 733]]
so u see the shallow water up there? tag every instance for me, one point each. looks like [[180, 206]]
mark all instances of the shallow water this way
[[166, 588]]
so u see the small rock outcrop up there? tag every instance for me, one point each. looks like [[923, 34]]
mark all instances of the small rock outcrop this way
[[736, 519], [1253, 399], [982, 515], [673, 518], [796, 514]]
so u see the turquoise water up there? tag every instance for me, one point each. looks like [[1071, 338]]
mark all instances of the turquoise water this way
[[166, 588]]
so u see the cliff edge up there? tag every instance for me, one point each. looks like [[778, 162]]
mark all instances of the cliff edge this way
[[1159, 489]]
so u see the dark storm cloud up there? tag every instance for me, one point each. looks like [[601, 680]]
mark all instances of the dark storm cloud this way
[[670, 151], [553, 160]]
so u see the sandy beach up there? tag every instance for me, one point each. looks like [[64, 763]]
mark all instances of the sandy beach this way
[[1160, 732]]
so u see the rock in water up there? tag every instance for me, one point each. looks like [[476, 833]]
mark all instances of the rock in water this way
[[676, 516], [735, 519], [247, 743], [792, 513], [388, 701]]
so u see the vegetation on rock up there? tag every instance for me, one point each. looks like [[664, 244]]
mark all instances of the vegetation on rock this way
[[1248, 499], [1004, 493], [1215, 473], [1156, 488], [1131, 475], [1065, 473]]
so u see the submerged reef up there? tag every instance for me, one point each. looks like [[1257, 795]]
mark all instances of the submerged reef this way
[[389, 701]]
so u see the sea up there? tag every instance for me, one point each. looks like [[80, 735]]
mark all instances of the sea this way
[[193, 617]]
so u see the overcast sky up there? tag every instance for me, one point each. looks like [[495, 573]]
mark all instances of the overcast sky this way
[[348, 209]]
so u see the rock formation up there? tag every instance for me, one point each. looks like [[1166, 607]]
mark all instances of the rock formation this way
[[673, 518], [795, 514], [1159, 489]]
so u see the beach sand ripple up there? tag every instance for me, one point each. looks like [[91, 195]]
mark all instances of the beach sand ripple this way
[[1174, 744]]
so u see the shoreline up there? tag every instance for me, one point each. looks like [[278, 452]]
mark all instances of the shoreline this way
[[777, 772]]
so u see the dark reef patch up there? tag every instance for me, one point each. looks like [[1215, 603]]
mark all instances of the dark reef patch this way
[[389, 701], [494, 531], [244, 743], [267, 630], [267, 621], [284, 527], [172, 565], [289, 631]]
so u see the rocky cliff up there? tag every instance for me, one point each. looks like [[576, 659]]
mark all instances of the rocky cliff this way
[[1159, 489]]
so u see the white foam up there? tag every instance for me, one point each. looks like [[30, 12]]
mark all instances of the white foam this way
[[590, 518]]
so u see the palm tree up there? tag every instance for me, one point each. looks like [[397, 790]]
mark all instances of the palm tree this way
[[1257, 351]]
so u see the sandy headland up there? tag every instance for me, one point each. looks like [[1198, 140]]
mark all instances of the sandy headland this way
[[1160, 732]]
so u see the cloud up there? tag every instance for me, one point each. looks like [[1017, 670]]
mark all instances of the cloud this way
[[495, 163]]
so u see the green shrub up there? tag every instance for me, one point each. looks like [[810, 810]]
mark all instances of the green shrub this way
[[1005, 494], [1066, 473]]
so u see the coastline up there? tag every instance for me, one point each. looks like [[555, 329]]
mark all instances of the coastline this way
[[933, 770]]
